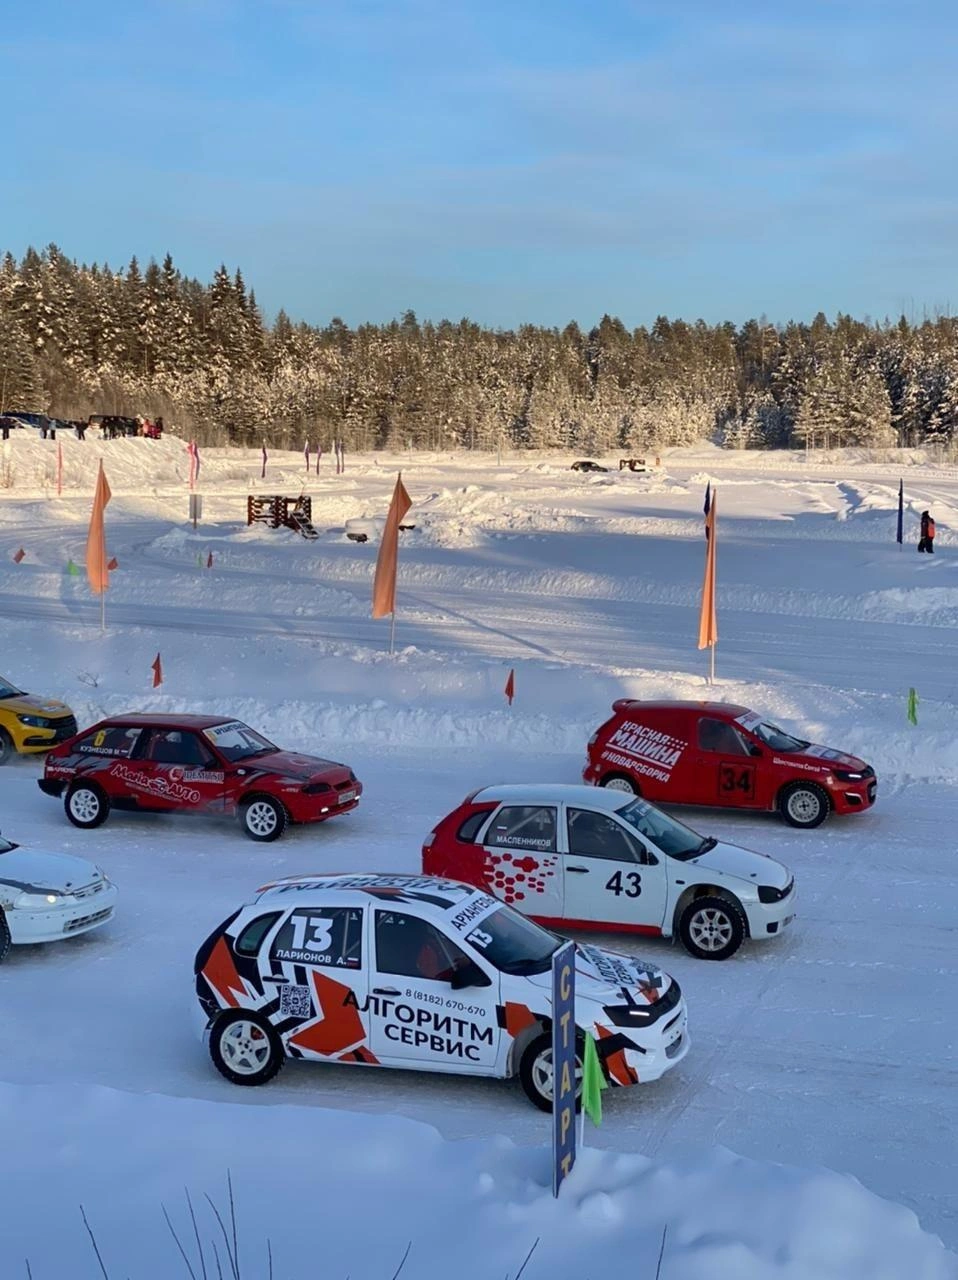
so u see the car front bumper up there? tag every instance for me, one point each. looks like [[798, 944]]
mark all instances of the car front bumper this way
[[633, 1057], [303, 807], [768, 920], [57, 923], [853, 797]]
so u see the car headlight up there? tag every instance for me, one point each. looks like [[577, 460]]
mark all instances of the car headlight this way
[[34, 722], [843, 775], [768, 894], [37, 901]]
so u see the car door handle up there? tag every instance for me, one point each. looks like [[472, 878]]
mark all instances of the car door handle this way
[[278, 981], [580, 871], [386, 991]]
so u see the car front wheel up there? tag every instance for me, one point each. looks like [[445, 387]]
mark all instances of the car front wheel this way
[[536, 1075], [263, 818], [712, 928], [4, 936], [86, 806], [6, 746], [804, 805], [245, 1048]]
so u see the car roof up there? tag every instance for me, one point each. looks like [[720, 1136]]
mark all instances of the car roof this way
[[432, 895], [145, 719], [720, 708], [553, 793]]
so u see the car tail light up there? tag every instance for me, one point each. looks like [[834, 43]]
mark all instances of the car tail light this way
[[427, 843]]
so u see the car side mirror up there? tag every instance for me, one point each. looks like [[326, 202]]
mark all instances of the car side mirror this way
[[754, 750], [468, 975]]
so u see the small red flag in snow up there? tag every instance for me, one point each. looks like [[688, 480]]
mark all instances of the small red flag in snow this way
[[18, 555], [209, 561], [112, 563], [157, 672], [511, 686]]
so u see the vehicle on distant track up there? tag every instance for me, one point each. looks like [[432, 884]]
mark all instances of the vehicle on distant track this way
[[585, 464], [418, 972], [29, 723], [48, 896], [572, 857], [195, 764], [718, 753]]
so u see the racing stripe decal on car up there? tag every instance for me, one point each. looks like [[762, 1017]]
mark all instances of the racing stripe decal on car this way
[[220, 972], [515, 1017], [620, 1073], [338, 1027]]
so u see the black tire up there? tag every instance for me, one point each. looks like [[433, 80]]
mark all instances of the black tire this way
[[6, 747], [620, 782], [804, 805], [241, 1037], [530, 1072], [263, 818], [712, 928], [4, 936], [86, 806]]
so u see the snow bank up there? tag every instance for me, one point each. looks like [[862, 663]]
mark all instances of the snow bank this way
[[340, 1194]]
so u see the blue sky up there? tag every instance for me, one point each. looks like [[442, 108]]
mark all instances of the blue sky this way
[[511, 161]]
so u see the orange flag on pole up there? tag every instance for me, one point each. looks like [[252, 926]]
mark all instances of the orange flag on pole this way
[[708, 623], [96, 567], [384, 583], [157, 672], [18, 555]]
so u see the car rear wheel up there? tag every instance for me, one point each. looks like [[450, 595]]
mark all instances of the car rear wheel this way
[[804, 805], [263, 818], [245, 1048], [86, 806], [619, 782], [6, 746], [536, 1075], [712, 928], [4, 936]]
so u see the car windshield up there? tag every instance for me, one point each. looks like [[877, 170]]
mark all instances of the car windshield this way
[[775, 737], [512, 943], [238, 741], [7, 690], [673, 838]]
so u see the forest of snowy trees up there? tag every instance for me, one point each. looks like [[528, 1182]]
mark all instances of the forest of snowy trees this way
[[77, 339]]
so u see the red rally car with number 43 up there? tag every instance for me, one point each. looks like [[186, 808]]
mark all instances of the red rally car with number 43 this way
[[720, 754], [194, 764]]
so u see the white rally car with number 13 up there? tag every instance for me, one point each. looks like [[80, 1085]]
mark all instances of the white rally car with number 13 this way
[[423, 973]]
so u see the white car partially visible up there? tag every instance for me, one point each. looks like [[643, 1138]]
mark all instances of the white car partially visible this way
[[48, 896]]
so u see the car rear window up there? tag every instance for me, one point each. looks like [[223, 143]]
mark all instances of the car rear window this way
[[249, 941], [473, 825]]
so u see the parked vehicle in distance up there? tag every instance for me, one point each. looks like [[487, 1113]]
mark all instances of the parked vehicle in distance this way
[[574, 857], [48, 896], [195, 764], [364, 528], [29, 723], [586, 464], [718, 753], [632, 464], [418, 972]]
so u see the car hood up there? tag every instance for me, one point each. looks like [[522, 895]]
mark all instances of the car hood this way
[[29, 870], [601, 975], [745, 864], [31, 704], [825, 758], [290, 764]]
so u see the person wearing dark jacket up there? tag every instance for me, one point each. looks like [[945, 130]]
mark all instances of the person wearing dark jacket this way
[[927, 540]]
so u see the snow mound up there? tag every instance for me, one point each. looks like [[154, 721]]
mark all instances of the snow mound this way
[[341, 1194]]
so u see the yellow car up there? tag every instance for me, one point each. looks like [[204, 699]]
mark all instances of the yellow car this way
[[29, 724]]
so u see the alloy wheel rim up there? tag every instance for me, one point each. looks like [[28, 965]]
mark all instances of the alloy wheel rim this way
[[84, 805], [543, 1075], [803, 806], [618, 784], [711, 929], [245, 1048], [261, 818]]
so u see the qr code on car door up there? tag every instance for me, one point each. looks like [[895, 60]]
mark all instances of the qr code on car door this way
[[294, 1002]]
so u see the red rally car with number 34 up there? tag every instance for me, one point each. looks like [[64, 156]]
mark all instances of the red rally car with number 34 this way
[[717, 753], [195, 764]]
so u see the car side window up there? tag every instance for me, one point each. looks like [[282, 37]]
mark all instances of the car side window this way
[[525, 826], [113, 740], [250, 940], [472, 826], [413, 948], [177, 746], [720, 737], [321, 936], [596, 835]]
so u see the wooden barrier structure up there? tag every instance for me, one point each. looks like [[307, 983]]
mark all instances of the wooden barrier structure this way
[[278, 511]]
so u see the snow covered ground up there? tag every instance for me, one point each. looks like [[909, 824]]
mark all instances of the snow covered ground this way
[[834, 1048]]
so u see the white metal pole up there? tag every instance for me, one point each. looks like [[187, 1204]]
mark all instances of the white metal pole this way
[[102, 610], [392, 631]]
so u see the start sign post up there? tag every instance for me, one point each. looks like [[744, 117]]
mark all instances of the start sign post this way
[[563, 1064]]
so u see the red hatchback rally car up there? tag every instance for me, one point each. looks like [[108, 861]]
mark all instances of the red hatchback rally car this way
[[716, 753], [194, 764]]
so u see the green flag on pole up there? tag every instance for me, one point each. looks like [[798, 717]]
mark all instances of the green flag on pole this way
[[72, 569], [912, 707], [593, 1082]]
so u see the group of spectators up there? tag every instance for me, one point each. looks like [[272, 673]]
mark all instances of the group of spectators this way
[[112, 426]]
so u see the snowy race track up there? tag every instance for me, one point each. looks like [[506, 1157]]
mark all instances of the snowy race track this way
[[834, 1047]]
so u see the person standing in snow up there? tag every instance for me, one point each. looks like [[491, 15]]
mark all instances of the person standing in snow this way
[[927, 540]]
